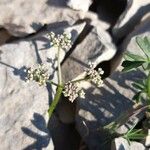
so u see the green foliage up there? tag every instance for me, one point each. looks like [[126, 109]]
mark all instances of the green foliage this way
[[132, 61], [134, 134], [144, 44], [131, 65]]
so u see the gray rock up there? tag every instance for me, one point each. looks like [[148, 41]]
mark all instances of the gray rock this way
[[31, 16], [23, 121], [79, 5], [122, 144], [137, 146], [129, 43], [143, 29], [104, 105], [96, 46], [147, 141], [131, 17]]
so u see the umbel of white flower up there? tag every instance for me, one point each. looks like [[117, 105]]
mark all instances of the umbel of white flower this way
[[94, 75], [62, 41], [72, 91], [38, 74]]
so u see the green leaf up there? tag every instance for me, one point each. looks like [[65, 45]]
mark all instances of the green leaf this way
[[136, 131], [55, 101], [145, 86], [146, 66], [137, 97], [132, 57], [148, 85], [137, 137], [131, 65], [144, 44], [135, 134]]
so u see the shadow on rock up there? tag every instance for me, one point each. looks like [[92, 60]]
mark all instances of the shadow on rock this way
[[103, 106], [41, 141], [18, 72]]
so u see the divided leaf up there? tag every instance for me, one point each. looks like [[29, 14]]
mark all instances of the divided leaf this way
[[133, 61], [131, 65], [144, 44], [132, 57]]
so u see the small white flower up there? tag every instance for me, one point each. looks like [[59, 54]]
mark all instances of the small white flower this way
[[72, 91], [94, 75], [38, 74], [60, 40], [82, 94], [100, 71]]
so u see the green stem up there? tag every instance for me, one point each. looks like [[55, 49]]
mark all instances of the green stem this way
[[55, 101], [59, 68], [79, 80], [148, 85], [59, 87]]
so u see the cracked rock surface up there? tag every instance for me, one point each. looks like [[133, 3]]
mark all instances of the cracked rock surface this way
[[98, 35], [23, 119]]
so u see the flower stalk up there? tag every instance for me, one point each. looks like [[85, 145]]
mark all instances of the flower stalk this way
[[71, 89], [59, 67], [55, 101]]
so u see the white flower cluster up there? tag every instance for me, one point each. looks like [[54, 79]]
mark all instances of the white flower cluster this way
[[94, 75], [72, 91], [60, 40], [38, 74]]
